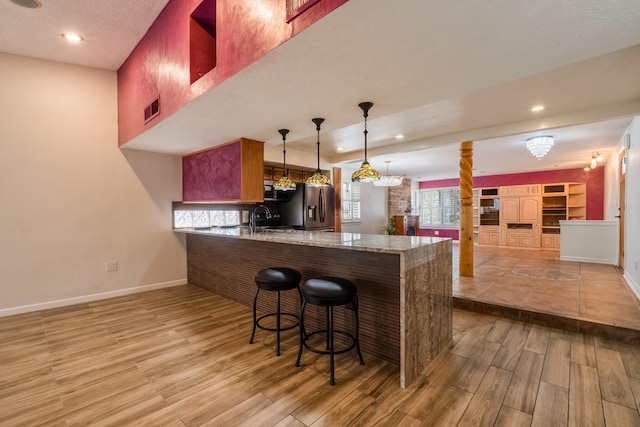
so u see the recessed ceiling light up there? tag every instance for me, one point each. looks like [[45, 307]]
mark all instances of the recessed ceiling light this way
[[399, 136], [74, 38], [340, 149], [537, 108], [30, 4]]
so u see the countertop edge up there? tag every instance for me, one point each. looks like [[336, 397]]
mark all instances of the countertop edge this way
[[346, 241]]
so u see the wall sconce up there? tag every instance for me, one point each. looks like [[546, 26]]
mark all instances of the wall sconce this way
[[596, 160]]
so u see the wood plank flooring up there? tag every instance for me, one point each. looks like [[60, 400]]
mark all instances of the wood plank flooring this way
[[180, 357]]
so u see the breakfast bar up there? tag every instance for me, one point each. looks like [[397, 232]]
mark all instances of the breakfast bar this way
[[404, 282]]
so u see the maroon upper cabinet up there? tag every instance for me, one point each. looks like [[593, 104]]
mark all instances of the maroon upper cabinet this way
[[231, 172]]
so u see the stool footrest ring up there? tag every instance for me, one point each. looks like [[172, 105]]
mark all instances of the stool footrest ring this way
[[324, 331], [289, 315]]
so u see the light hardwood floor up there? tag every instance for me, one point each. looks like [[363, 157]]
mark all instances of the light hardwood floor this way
[[180, 357]]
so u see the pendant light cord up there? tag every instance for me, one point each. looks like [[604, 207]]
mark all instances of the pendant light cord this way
[[365, 106], [284, 133], [318, 122]]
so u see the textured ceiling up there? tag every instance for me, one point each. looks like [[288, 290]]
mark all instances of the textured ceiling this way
[[111, 29], [439, 72]]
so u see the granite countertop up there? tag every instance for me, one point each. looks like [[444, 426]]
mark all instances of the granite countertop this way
[[353, 241]]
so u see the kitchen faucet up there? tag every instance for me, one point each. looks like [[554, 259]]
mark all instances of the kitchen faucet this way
[[252, 217]]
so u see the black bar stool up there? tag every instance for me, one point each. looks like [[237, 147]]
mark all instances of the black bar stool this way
[[330, 292], [275, 279]]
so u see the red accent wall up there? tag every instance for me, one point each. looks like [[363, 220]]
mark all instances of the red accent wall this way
[[443, 232], [594, 180], [159, 64]]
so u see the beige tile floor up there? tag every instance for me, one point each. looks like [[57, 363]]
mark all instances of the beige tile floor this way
[[537, 280]]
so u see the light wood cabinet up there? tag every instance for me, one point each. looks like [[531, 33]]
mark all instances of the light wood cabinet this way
[[520, 209], [550, 241], [520, 190], [520, 235], [526, 215], [476, 215], [489, 235], [561, 202]]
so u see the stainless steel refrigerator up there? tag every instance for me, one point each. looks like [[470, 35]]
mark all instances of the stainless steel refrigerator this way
[[309, 208]]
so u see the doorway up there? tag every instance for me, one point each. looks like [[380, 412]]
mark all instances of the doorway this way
[[622, 171]]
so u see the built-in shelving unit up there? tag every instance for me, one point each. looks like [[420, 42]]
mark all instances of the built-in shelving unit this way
[[476, 214], [488, 204], [561, 202], [526, 215]]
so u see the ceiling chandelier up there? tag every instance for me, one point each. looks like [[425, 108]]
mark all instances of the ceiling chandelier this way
[[318, 178], [540, 145], [284, 183], [388, 180], [366, 173]]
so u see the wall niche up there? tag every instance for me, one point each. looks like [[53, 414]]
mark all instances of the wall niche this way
[[202, 39]]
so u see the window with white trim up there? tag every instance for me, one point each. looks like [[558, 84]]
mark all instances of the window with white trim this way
[[350, 202], [440, 207]]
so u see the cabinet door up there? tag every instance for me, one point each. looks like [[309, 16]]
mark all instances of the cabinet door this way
[[512, 240], [547, 240], [529, 209], [484, 238], [525, 241], [494, 238], [509, 207], [519, 190], [556, 241]]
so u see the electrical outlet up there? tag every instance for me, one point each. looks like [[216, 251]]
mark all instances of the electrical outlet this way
[[245, 216], [112, 266], [436, 232]]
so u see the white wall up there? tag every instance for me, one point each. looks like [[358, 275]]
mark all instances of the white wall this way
[[71, 200], [632, 208], [373, 208]]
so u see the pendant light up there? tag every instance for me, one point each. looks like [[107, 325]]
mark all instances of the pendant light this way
[[318, 179], [366, 173], [388, 180], [284, 183]]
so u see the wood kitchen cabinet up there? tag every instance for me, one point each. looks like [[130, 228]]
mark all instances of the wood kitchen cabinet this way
[[550, 241], [520, 209], [231, 173], [489, 235], [520, 235], [297, 174], [520, 190]]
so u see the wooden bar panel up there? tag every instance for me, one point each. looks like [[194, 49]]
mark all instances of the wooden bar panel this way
[[227, 267]]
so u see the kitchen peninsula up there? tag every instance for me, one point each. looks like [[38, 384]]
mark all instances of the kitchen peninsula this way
[[404, 283]]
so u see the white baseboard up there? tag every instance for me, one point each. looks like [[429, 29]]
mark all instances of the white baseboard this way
[[591, 260], [88, 298], [635, 287]]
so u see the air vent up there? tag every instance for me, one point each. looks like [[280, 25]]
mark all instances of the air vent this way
[[152, 110]]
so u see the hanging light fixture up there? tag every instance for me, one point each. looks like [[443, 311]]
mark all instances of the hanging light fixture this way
[[366, 173], [388, 180], [318, 179], [596, 160], [284, 183], [540, 145]]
